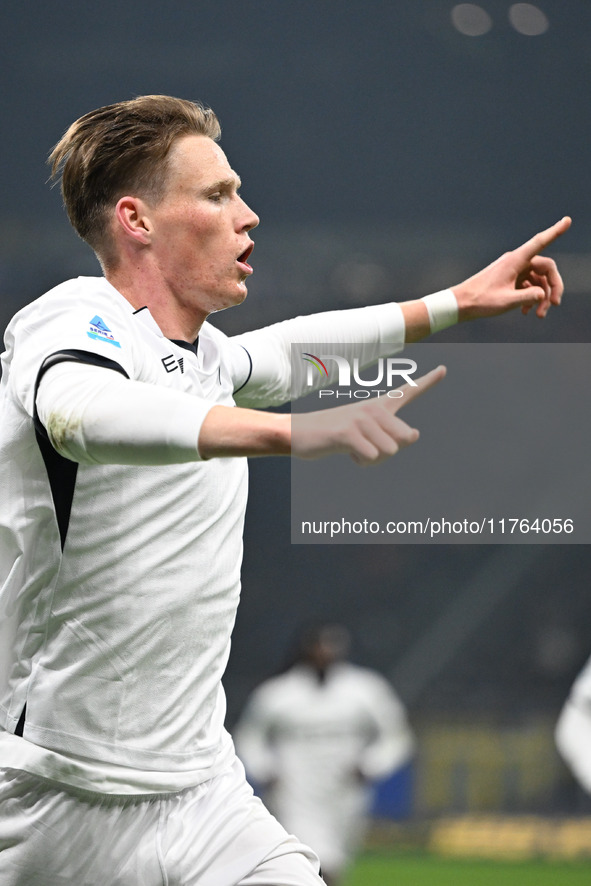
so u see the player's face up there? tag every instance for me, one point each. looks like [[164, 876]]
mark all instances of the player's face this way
[[200, 230]]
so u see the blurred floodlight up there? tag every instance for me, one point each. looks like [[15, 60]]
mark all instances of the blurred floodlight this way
[[528, 19], [472, 20]]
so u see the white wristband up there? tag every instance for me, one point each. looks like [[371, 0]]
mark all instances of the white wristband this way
[[442, 308]]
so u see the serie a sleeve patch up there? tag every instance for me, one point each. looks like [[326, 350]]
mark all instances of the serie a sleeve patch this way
[[99, 331]]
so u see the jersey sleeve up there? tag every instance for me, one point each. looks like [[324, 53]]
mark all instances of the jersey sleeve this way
[[263, 372], [95, 416]]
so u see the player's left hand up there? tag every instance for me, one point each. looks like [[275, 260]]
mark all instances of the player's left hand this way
[[519, 279], [368, 431]]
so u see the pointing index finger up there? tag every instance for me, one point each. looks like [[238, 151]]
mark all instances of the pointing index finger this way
[[539, 241], [411, 392]]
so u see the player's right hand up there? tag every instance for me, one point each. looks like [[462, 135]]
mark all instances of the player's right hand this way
[[521, 278]]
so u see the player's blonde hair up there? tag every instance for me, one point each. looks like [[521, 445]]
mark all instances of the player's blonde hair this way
[[121, 149]]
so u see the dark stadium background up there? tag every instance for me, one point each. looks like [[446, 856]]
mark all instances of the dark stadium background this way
[[387, 154]]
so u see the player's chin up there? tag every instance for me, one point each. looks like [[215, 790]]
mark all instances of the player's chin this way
[[241, 291], [240, 296], [232, 299]]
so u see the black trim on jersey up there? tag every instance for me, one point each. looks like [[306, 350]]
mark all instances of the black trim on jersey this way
[[145, 308], [61, 471], [186, 344], [244, 383], [62, 480], [74, 355], [20, 726]]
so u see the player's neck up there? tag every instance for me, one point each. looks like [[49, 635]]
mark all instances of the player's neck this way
[[141, 289]]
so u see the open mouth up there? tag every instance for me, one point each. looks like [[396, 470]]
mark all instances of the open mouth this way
[[244, 256]]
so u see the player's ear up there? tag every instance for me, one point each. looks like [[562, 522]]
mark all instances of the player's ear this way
[[131, 214]]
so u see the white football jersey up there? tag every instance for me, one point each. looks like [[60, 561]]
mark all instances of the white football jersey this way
[[119, 583]]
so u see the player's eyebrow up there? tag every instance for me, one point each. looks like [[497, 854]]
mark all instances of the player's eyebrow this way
[[226, 184]]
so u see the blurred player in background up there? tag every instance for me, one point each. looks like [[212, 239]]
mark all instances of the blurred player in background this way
[[315, 737], [573, 729], [126, 419]]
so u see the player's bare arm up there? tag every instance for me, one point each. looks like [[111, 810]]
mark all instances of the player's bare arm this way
[[369, 431], [95, 416]]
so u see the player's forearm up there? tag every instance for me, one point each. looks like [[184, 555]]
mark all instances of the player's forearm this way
[[429, 314], [368, 431], [416, 319], [233, 431]]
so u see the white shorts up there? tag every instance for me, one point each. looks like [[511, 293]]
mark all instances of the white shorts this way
[[215, 834]]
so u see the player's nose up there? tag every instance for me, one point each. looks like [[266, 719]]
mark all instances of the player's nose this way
[[249, 219]]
